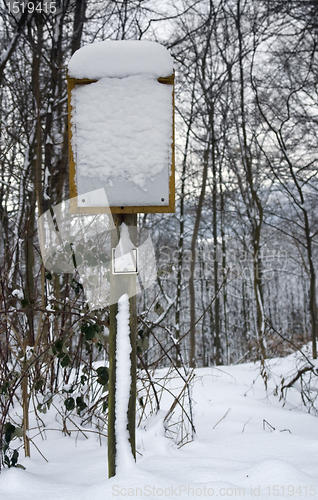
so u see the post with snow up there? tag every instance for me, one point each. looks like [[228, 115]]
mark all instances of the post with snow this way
[[122, 348], [121, 143]]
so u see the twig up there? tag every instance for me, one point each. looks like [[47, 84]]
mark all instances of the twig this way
[[269, 425], [30, 439], [222, 418], [246, 424], [297, 376], [289, 341], [150, 380], [73, 430], [67, 416], [177, 401]]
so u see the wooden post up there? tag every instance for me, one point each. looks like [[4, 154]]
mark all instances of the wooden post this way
[[25, 407], [120, 284]]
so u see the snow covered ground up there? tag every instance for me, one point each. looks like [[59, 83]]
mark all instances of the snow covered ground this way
[[237, 456]]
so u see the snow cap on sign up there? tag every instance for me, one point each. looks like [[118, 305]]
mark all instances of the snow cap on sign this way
[[120, 59]]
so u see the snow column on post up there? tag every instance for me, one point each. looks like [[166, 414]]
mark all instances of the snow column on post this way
[[124, 458], [122, 285]]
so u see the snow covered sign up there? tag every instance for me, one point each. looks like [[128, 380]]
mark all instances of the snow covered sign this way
[[121, 127]]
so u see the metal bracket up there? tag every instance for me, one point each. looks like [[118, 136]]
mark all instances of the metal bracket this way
[[126, 263]]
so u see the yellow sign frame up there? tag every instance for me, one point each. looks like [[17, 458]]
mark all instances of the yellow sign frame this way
[[71, 83]]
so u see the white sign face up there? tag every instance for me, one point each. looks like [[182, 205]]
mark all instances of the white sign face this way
[[121, 123], [122, 135]]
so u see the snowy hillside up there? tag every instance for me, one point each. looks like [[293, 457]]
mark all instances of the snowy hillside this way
[[247, 446]]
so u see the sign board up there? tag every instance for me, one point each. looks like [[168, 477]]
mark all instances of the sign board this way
[[121, 128]]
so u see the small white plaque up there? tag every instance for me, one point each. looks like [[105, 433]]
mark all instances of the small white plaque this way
[[125, 263]]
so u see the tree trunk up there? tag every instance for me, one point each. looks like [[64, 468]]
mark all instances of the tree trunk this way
[[217, 332], [193, 257]]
